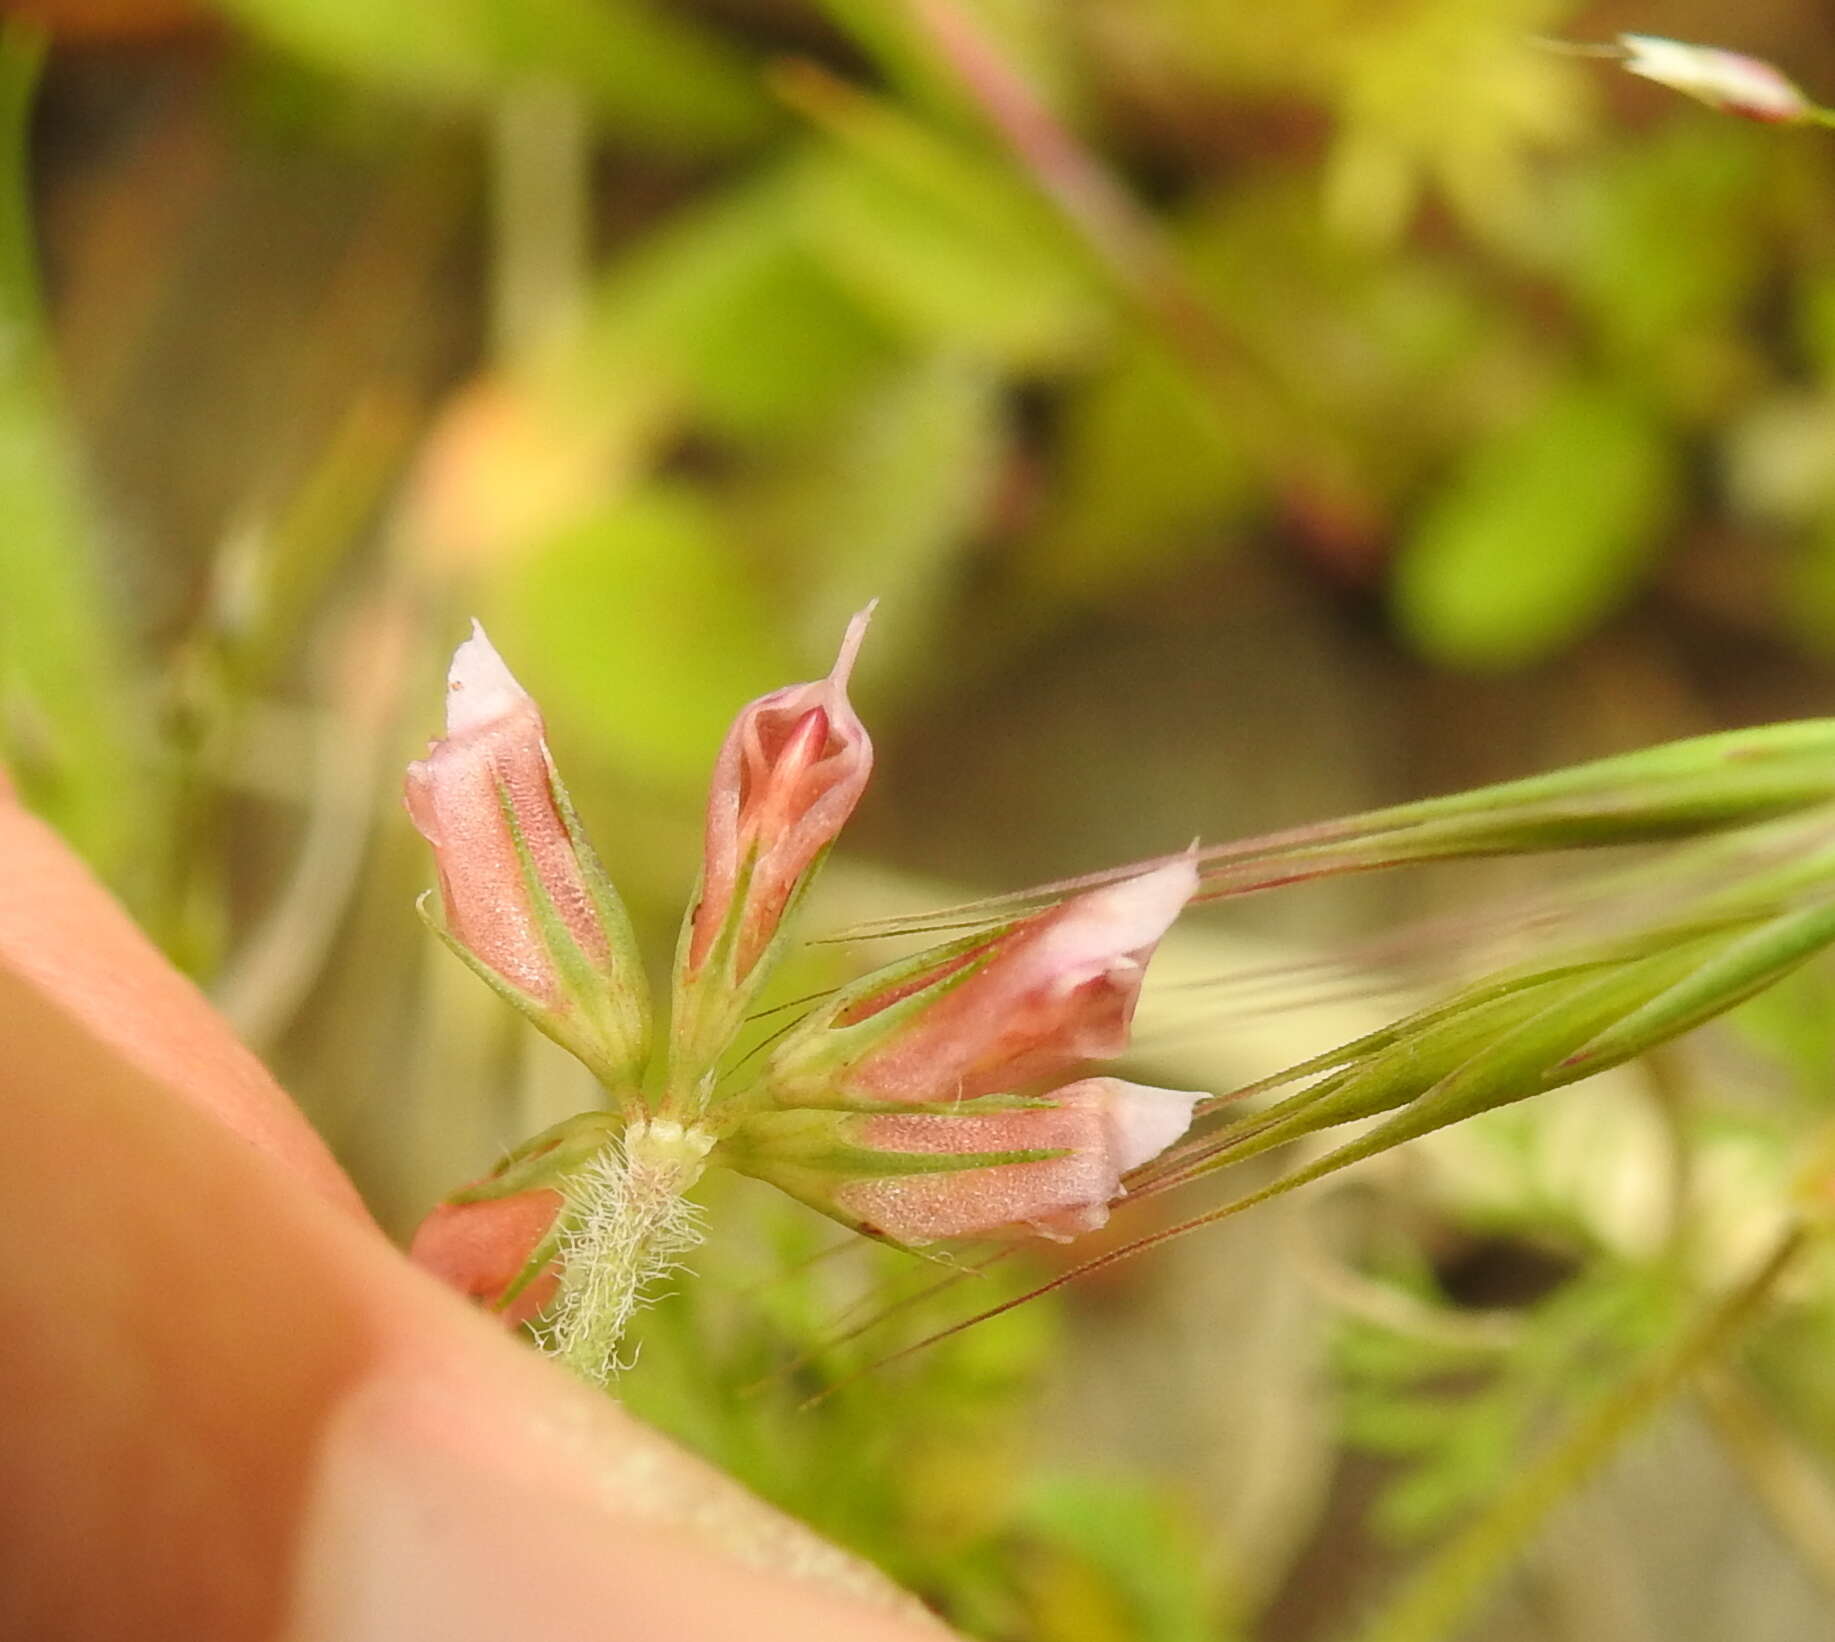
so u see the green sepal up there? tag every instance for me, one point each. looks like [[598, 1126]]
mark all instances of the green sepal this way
[[711, 1004], [543, 1256], [614, 920], [614, 1006], [819, 1140], [541, 1014], [809, 1154], [807, 1067], [546, 1159]]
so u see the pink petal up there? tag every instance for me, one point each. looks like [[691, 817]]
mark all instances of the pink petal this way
[[481, 1248], [495, 752], [1060, 991], [1103, 1126], [788, 776]]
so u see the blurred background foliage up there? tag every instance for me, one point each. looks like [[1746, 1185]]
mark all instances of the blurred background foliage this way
[[1244, 414]]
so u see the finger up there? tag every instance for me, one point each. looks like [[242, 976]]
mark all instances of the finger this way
[[244, 1413], [253, 1413]]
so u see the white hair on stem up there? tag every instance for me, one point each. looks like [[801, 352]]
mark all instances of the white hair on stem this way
[[625, 1228]]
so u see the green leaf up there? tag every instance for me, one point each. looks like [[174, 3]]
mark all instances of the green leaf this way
[[940, 240], [1148, 462], [652, 74], [1147, 1553], [729, 303], [71, 728], [1455, 96], [1539, 535], [1666, 238]]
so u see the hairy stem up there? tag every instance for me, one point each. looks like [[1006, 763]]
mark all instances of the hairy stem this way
[[625, 1227]]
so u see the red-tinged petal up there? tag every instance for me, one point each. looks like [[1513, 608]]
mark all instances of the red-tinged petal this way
[[864, 1168], [1016, 1199], [1058, 991], [523, 896], [481, 1248], [1726, 80], [787, 778], [494, 755]]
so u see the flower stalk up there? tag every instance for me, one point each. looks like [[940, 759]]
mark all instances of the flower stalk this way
[[625, 1225]]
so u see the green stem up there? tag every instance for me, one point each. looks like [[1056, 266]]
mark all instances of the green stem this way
[[626, 1224], [1441, 1594]]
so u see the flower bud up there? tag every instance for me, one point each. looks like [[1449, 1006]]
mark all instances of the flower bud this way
[[483, 1247], [791, 771], [989, 1014], [1044, 1168], [527, 903], [497, 1239], [1724, 80]]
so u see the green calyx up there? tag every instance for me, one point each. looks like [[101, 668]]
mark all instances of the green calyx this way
[[711, 998], [832, 1141], [546, 1160], [605, 1020], [809, 1067], [812, 1154]]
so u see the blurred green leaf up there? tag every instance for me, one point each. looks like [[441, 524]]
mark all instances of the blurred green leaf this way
[[1147, 463], [1028, 34], [68, 718], [1808, 601], [653, 75], [1538, 535], [1359, 339], [1794, 1022], [1401, 1398], [920, 1474], [1451, 94], [1147, 1553], [644, 632], [730, 303], [1814, 319], [1663, 240], [941, 240]]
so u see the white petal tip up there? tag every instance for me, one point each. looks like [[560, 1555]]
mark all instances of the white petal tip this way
[[479, 688], [1144, 1121], [1154, 899], [1722, 79], [1184, 872]]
